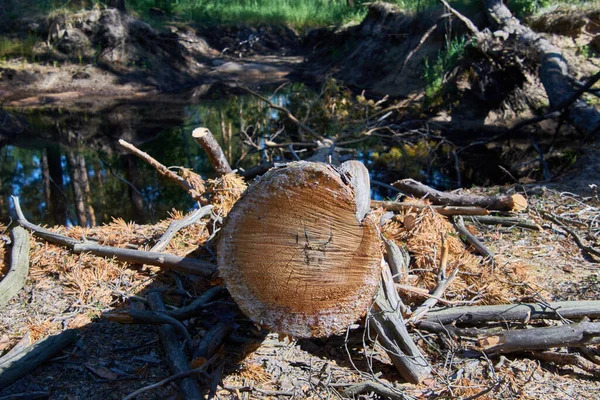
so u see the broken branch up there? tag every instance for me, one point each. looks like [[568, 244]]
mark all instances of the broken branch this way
[[15, 278], [207, 141]]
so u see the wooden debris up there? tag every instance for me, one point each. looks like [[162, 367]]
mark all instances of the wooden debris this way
[[164, 260], [459, 224], [471, 315], [567, 359], [295, 257], [179, 224], [387, 321], [506, 221], [515, 202], [207, 141], [443, 210], [397, 258], [33, 356], [210, 343], [192, 184], [197, 305], [176, 358], [541, 338], [15, 279]]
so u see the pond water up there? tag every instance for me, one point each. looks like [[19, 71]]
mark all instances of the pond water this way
[[61, 155]]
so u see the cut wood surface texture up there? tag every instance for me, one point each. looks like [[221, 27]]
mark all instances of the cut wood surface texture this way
[[294, 254]]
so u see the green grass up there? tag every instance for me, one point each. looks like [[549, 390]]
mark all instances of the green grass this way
[[447, 59], [296, 13], [12, 48]]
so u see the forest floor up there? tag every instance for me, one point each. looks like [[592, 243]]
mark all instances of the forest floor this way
[[111, 360]]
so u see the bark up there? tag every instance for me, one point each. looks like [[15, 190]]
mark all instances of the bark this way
[[514, 202], [77, 186], [213, 150], [293, 254], [553, 70], [15, 279]]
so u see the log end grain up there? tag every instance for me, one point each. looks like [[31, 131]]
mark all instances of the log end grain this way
[[295, 257]]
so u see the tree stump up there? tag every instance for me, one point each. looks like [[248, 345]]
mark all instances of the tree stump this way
[[297, 252]]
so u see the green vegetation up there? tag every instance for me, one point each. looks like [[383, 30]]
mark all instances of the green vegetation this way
[[12, 48], [297, 13], [436, 72]]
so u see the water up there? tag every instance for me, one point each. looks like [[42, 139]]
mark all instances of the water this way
[[63, 151]]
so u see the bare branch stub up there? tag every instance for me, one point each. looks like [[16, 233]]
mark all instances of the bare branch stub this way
[[294, 255]]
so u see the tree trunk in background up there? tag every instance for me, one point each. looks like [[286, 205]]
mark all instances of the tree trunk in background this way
[[85, 182], [77, 185], [133, 176], [297, 252], [47, 182], [226, 134], [58, 200]]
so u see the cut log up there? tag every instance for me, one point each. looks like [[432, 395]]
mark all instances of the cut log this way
[[514, 202], [293, 253]]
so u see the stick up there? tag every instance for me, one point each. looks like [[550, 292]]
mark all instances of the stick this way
[[188, 389], [35, 355], [207, 141], [506, 221], [179, 224], [370, 386], [541, 338], [170, 379], [393, 335], [164, 260], [472, 315], [164, 171], [134, 316], [397, 258], [443, 284], [588, 249], [195, 306], [515, 202], [459, 225], [211, 342], [443, 210], [16, 276]]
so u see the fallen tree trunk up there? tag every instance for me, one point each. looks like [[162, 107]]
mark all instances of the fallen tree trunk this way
[[298, 254], [514, 202], [442, 210], [553, 70]]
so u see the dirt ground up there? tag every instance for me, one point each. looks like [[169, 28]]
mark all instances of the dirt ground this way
[[111, 360]]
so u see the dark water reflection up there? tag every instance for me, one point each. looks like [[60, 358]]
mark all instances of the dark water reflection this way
[[60, 159]]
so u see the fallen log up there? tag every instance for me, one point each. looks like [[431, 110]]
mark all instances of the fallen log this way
[[296, 253], [553, 72], [15, 278], [35, 355], [471, 315], [515, 202]]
